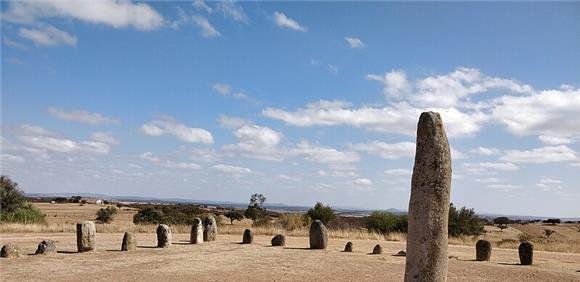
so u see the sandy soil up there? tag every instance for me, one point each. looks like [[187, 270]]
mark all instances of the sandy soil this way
[[226, 259]]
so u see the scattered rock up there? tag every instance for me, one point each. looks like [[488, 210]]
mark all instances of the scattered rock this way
[[248, 237], [279, 241], [196, 231], [429, 203], [401, 253], [526, 252], [210, 229], [482, 250], [348, 247], [377, 250], [129, 242], [86, 231], [46, 247], [163, 236], [318, 235], [10, 251]]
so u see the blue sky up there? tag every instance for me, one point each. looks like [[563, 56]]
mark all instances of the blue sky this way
[[302, 102]]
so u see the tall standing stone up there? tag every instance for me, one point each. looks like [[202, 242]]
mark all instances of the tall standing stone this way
[[86, 231], [129, 242], [526, 252], [196, 236], [429, 204], [482, 250], [248, 237], [210, 229], [163, 236], [318, 235]]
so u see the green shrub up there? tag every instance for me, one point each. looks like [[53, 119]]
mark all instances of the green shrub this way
[[149, 215], [464, 222], [13, 205], [385, 222], [321, 212], [106, 215]]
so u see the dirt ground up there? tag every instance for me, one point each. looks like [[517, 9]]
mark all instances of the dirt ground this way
[[226, 260]]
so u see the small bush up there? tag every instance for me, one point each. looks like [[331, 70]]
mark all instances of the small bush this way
[[552, 221], [549, 232], [464, 221], [321, 212], [148, 215], [106, 215], [294, 221], [525, 237], [386, 222]]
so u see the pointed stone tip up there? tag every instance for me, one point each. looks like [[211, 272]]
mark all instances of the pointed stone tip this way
[[429, 123]]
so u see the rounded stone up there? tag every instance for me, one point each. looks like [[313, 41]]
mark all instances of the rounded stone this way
[[378, 249], [163, 236], [526, 252], [86, 231], [196, 236], [248, 237], [318, 235], [46, 247], [401, 253], [348, 247], [210, 229], [428, 215], [482, 250], [10, 251], [129, 242], [279, 240]]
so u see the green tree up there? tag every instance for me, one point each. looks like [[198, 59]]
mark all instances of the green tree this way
[[149, 215], [322, 213], [106, 215], [256, 210], [501, 222], [464, 221], [234, 215], [13, 205]]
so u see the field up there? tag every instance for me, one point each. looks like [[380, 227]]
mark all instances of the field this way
[[226, 259]]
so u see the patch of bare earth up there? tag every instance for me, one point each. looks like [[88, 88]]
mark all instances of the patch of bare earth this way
[[225, 259]]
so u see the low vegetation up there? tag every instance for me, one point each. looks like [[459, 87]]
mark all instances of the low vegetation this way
[[321, 212], [106, 215], [385, 222], [464, 222]]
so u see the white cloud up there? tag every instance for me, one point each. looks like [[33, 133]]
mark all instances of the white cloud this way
[[488, 180], [489, 167], [11, 158], [355, 43], [207, 29], [104, 137], [168, 126], [201, 5], [400, 118], [486, 151], [222, 88], [257, 142], [283, 21], [555, 140], [48, 36], [551, 113], [550, 184], [541, 155], [320, 154], [363, 182], [333, 69], [395, 83], [288, 177], [168, 163], [398, 172], [81, 116], [389, 151], [42, 139], [504, 187], [230, 169], [117, 14], [232, 11], [232, 122]]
